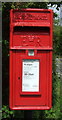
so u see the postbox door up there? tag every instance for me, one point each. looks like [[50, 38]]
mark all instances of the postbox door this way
[[31, 97]]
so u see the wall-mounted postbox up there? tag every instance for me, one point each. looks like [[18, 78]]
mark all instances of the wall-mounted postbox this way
[[31, 59]]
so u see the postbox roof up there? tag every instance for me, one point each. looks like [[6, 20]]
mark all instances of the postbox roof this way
[[31, 17]]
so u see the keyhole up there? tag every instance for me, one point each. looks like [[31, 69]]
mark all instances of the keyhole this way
[[19, 78]]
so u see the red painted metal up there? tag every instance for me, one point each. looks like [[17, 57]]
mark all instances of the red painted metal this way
[[31, 29]]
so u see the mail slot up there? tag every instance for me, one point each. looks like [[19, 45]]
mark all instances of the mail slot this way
[[31, 59]]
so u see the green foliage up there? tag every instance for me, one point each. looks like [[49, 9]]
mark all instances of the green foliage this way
[[56, 39], [6, 113], [60, 41], [36, 5], [19, 5], [14, 5], [18, 114], [56, 4], [55, 111]]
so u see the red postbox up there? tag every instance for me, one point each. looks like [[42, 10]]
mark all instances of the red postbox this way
[[31, 59]]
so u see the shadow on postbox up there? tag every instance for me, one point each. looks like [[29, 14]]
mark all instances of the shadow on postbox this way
[[31, 59]]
